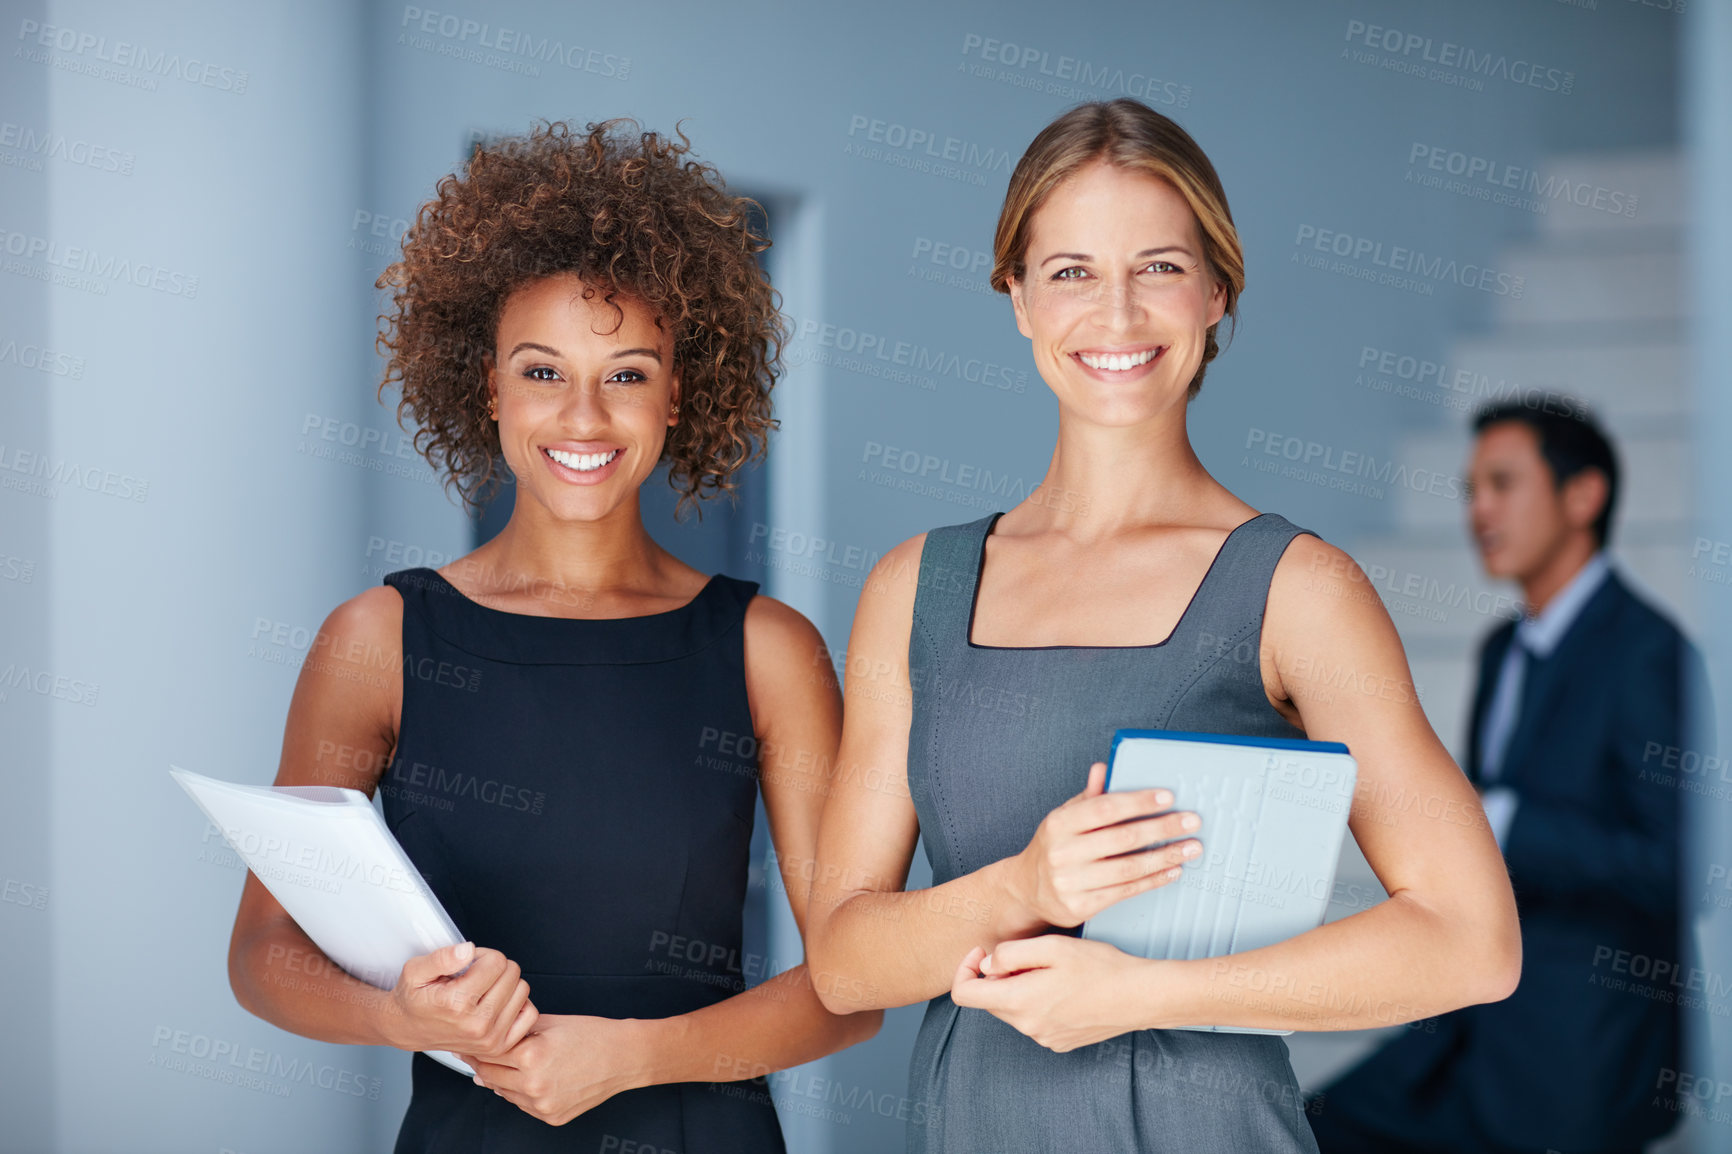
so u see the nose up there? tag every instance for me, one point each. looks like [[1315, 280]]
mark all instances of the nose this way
[[1479, 507], [1118, 303], [584, 409]]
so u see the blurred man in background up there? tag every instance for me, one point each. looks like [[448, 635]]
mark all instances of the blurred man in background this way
[[1573, 701]]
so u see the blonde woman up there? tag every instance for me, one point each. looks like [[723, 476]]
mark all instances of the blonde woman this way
[[1130, 589]]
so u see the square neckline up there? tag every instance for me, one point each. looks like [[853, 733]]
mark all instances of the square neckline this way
[[980, 570]]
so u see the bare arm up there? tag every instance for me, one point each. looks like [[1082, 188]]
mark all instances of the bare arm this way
[[880, 946], [1447, 937], [341, 728]]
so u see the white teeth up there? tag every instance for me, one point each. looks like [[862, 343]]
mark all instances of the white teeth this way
[[1117, 362], [582, 462]]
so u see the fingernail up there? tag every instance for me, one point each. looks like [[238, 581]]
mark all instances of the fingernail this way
[[1190, 821], [1163, 798], [1174, 873], [1192, 849]]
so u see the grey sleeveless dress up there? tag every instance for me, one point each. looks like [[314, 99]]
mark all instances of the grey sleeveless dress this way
[[999, 738]]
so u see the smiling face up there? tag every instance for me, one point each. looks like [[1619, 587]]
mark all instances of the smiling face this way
[[1117, 298], [585, 396]]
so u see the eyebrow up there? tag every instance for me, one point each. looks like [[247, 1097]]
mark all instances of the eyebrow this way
[[1179, 248], [553, 352]]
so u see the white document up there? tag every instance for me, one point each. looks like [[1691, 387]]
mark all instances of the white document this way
[[326, 856], [1274, 812]]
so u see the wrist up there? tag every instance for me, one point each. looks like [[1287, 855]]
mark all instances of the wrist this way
[[1149, 992], [1013, 914], [644, 1048], [385, 1017]]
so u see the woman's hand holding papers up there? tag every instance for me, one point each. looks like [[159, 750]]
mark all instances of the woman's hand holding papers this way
[[1090, 852], [460, 998]]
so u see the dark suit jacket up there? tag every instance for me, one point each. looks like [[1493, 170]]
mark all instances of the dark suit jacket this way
[[1572, 1059]]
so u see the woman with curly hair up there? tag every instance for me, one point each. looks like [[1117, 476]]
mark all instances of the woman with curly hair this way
[[566, 724]]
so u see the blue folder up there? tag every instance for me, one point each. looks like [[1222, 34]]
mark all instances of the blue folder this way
[[1274, 813]]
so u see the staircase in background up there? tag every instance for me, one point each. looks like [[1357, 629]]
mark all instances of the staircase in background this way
[[1602, 320]]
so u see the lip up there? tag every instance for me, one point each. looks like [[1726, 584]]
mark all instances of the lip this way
[[572, 476], [1120, 375]]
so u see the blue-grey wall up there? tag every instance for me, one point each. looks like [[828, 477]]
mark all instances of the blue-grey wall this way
[[212, 472]]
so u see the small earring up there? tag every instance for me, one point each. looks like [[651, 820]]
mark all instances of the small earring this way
[[492, 408], [675, 414]]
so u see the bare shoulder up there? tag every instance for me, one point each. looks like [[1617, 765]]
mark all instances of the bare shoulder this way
[[1326, 627], [790, 681], [361, 642], [890, 588], [374, 614], [1319, 585], [776, 632], [347, 705]]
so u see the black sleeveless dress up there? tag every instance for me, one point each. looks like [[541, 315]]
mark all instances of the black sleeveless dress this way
[[580, 795]]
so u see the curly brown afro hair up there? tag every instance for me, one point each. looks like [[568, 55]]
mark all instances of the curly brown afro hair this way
[[630, 213]]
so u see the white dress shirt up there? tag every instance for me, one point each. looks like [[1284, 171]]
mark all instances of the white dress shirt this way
[[1538, 636]]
